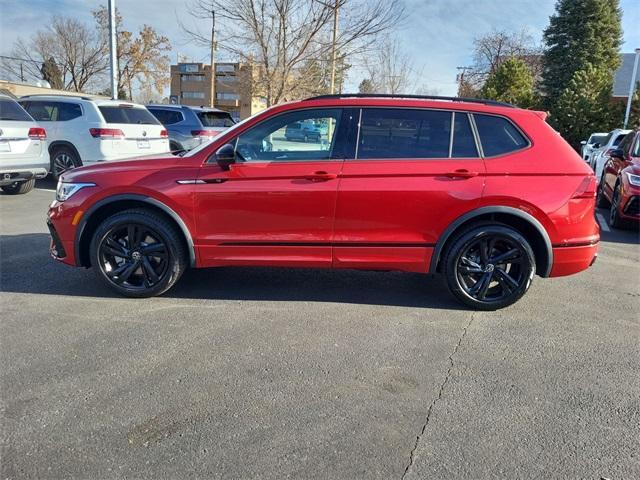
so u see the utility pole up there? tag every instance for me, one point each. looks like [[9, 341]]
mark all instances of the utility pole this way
[[113, 49], [632, 88], [333, 47], [213, 59], [460, 77]]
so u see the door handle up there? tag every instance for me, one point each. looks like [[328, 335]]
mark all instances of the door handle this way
[[321, 176], [461, 173]]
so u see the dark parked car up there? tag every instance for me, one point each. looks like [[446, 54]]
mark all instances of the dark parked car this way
[[189, 127], [305, 132]]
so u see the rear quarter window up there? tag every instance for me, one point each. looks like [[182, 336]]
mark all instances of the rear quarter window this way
[[11, 111], [498, 136], [215, 119], [127, 115], [166, 117]]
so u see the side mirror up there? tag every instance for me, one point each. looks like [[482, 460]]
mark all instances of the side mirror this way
[[617, 153], [226, 156], [583, 142]]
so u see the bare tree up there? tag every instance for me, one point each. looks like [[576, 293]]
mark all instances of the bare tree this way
[[285, 38], [76, 49], [492, 49], [390, 69]]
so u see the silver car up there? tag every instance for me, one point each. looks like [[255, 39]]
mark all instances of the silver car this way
[[190, 127], [23, 149]]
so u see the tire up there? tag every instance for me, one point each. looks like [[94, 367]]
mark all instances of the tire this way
[[63, 159], [614, 212], [141, 274], [493, 279], [19, 188], [601, 200]]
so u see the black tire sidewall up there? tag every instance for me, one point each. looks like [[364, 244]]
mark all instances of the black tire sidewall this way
[[21, 188], [176, 262], [457, 247], [56, 151]]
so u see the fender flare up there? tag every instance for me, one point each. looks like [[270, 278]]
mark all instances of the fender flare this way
[[139, 198], [437, 251], [63, 143]]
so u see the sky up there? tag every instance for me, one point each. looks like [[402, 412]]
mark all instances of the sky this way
[[437, 34]]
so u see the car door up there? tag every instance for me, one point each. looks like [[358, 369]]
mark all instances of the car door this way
[[276, 204], [412, 176]]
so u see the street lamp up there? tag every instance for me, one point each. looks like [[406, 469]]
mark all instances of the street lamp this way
[[632, 88]]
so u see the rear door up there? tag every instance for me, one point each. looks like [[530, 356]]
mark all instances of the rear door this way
[[415, 171], [143, 133], [276, 205], [15, 143]]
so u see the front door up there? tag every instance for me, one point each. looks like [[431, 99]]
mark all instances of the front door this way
[[415, 171], [276, 204]]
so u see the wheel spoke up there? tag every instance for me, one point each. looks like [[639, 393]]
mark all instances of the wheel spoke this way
[[115, 248], [512, 254], [479, 290], [505, 280], [484, 251], [150, 274], [153, 248], [133, 232], [131, 267]]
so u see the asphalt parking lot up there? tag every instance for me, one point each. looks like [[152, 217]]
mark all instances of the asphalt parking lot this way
[[256, 373]]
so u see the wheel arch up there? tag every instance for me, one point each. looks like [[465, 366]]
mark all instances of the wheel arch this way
[[111, 205], [522, 221], [63, 143]]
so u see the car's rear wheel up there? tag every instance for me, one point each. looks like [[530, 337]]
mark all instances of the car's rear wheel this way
[[489, 266], [19, 188], [138, 253], [63, 159]]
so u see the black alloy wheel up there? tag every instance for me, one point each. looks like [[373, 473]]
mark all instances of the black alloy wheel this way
[[489, 267], [138, 253], [614, 213]]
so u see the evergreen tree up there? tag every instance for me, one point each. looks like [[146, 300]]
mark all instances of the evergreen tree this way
[[366, 86], [580, 32], [585, 105], [52, 74], [511, 82]]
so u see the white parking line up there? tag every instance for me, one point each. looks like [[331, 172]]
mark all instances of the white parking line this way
[[603, 222], [46, 190]]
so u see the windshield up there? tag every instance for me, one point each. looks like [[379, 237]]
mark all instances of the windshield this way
[[122, 114], [11, 111], [215, 119], [202, 146]]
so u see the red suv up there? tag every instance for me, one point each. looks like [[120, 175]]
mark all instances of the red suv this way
[[480, 191], [619, 188]]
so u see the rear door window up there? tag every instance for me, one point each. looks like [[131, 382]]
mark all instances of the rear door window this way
[[166, 117], [498, 136], [215, 119], [127, 115], [404, 133], [12, 112]]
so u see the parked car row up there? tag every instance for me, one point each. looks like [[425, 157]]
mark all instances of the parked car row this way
[[42, 134]]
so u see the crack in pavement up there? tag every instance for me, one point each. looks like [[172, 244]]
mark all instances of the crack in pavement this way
[[438, 397]]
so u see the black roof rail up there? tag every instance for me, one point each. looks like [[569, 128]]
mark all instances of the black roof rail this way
[[421, 97]]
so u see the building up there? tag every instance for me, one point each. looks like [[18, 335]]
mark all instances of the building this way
[[622, 77], [17, 89], [191, 85]]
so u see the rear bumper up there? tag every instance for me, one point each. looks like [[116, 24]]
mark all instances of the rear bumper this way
[[20, 174], [573, 259]]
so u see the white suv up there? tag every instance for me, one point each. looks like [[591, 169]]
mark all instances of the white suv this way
[[601, 155], [23, 149], [84, 130]]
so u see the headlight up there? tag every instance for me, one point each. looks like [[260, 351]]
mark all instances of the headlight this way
[[633, 179], [64, 191]]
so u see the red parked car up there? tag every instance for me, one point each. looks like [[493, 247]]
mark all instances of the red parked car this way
[[486, 194], [619, 187]]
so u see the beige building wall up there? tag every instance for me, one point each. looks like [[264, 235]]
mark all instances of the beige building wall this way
[[21, 89], [191, 85]]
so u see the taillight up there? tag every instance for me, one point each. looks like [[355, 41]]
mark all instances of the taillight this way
[[164, 133], [204, 133], [587, 188], [106, 133], [37, 133]]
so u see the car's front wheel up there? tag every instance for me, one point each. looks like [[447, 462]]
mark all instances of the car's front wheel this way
[[489, 266], [614, 213], [138, 253]]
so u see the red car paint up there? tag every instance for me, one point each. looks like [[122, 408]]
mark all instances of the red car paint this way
[[350, 213], [615, 174]]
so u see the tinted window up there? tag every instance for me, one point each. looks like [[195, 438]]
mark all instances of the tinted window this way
[[118, 114], [11, 111], [597, 139], [618, 139], [166, 117], [273, 140], [464, 145], [404, 133], [215, 119], [498, 135], [53, 111], [636, 148]]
